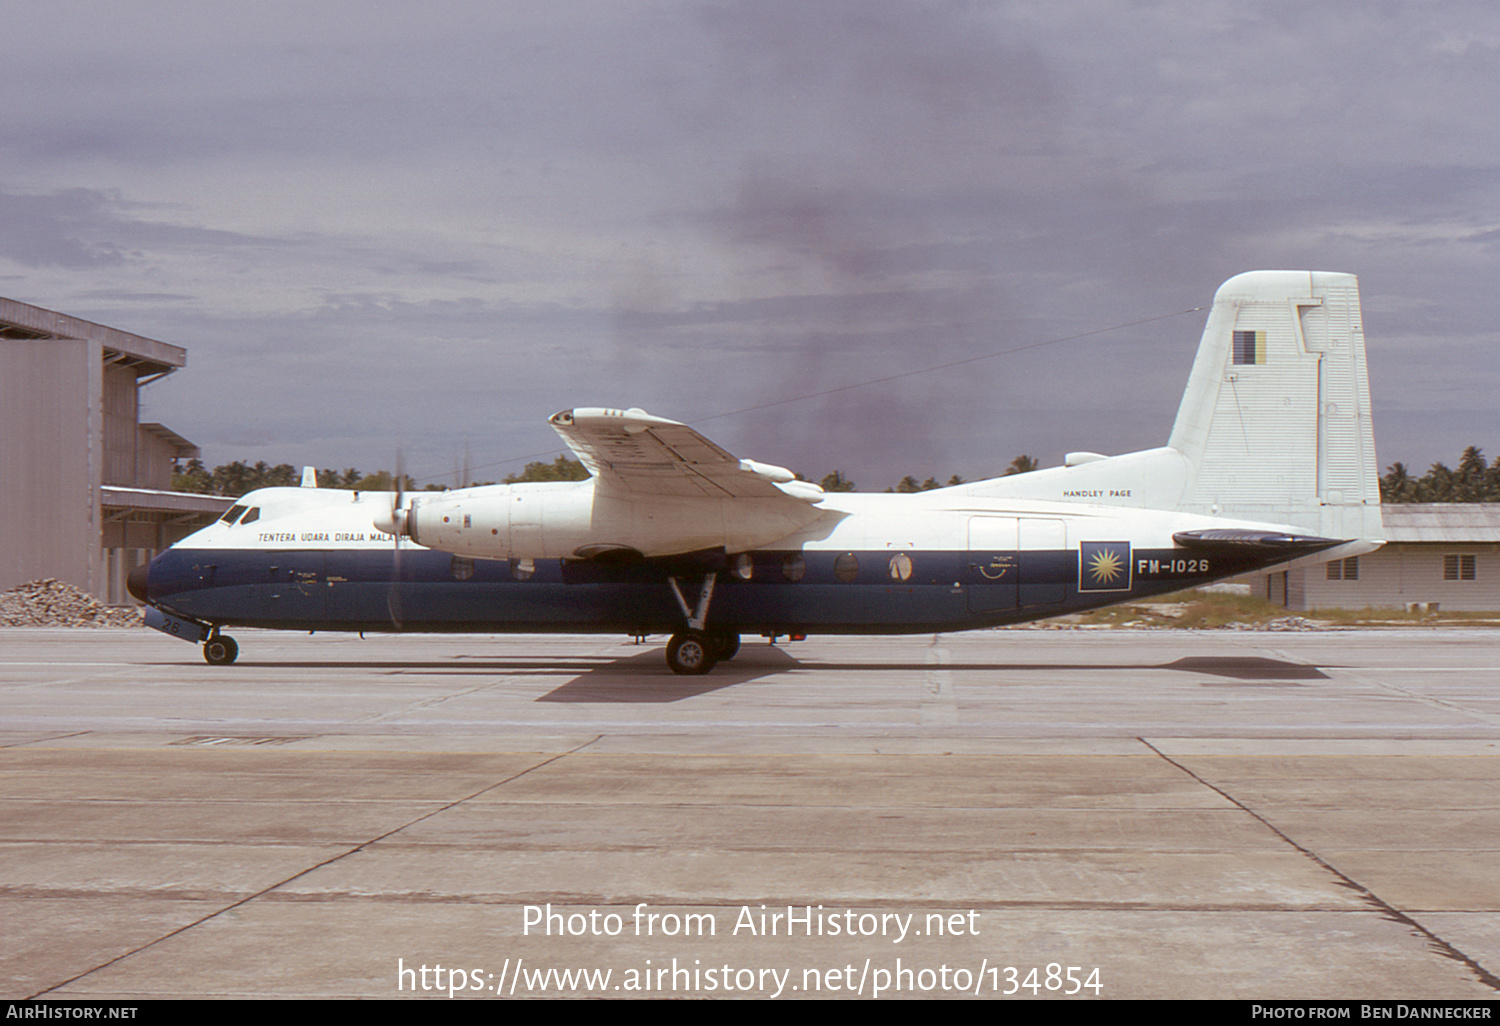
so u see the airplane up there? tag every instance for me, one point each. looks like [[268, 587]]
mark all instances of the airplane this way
[[1270, 464]]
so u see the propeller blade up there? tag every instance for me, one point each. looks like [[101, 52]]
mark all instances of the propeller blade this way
[[398, 521]]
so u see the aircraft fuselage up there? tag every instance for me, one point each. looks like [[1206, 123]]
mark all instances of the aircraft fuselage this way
[[870, 564]]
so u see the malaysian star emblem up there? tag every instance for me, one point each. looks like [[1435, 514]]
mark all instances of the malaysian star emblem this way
[[1104, 566]]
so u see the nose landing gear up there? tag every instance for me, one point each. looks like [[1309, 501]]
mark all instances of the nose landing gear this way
[[220, 649]]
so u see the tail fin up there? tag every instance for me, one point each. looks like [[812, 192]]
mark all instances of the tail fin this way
[[1275, 423]]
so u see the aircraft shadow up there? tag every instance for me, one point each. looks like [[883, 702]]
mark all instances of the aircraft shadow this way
[[645, 677], [1245, 668]]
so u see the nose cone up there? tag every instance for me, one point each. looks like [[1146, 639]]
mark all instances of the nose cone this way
[[139, 582]]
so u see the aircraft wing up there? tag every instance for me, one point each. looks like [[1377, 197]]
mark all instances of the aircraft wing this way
[[633, 451]]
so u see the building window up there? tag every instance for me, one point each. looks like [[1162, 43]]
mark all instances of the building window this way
[[1343, 569], [1458, 568]]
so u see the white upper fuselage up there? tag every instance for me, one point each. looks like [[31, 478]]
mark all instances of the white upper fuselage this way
[[554, 519]]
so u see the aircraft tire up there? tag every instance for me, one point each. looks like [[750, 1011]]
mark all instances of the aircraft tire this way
[[725, 646], [691, 653], [220, 650]]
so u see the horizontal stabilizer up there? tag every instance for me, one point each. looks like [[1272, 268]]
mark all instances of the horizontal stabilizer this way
[[1234, 540]]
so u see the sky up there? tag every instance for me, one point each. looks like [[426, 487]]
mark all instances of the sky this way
[[428, 227]]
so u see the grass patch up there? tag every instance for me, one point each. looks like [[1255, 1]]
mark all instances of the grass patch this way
[[1218, 609], [1197, 610], [1188, 609]]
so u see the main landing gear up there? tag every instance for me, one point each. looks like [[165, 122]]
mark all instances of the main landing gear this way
[[220, 649], [696, 650]]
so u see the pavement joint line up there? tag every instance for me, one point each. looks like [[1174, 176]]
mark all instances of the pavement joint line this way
[[438, 700], [41, 685], [1442, 946], [361, 846], [1368, 681], [44, 740]]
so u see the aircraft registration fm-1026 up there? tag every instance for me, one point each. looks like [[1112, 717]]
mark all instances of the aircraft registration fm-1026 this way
[[1271, 461]]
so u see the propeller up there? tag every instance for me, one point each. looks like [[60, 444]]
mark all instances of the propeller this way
[[398, 519], [395, 524]]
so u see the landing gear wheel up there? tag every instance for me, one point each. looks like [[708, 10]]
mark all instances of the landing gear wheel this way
[[691, 653], [725, 646], [220, 650]]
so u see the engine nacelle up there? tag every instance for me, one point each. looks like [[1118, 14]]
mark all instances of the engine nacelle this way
[[579, 520]]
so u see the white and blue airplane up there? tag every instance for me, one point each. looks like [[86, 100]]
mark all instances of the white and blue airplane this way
[[1271, 463]]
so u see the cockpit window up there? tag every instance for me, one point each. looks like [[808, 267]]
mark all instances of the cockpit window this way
[[252, 516], [233, 514]]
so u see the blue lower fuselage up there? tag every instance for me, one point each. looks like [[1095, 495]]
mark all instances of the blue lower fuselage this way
[[771, 592]]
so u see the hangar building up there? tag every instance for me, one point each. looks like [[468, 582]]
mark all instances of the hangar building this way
[[87, 486]]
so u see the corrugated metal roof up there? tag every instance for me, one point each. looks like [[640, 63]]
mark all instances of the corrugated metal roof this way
[[1441, 521], [22, 320]]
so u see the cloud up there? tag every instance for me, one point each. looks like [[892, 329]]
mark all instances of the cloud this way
[[62, 229], [477, 214]]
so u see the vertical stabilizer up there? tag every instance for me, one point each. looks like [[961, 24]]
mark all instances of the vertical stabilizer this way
[[1275, 422]]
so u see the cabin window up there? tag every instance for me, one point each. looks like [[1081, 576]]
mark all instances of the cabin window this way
[[1457, 567], [1343, 569], [252, 516], [461, 567], [522, 569], [900, 567], [793, 567], [233, 514], [846, 566]]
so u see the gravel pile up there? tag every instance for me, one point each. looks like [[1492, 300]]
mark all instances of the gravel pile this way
[[1285, 623], [52, 603], [1294, 623]]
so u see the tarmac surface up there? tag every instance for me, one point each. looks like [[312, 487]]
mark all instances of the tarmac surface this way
[[1115, 814]]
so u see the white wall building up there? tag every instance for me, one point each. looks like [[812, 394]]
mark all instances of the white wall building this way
[[86, 485], [1438, 555]]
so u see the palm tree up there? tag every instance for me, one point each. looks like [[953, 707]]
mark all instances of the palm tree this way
[[837, 482], [1471, 473], [1397, 485]]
